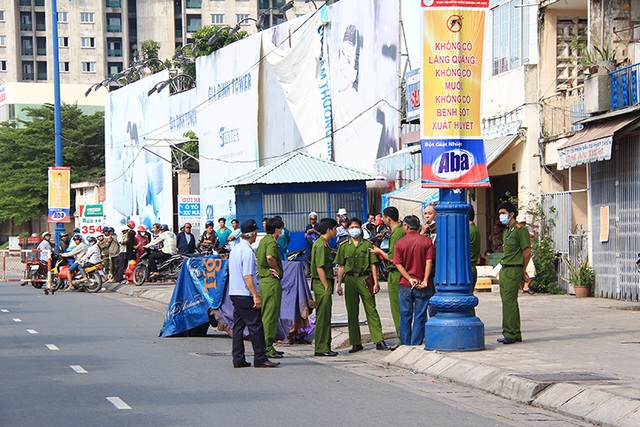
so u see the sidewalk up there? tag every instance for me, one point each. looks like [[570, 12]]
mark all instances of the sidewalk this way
[[579, 356]]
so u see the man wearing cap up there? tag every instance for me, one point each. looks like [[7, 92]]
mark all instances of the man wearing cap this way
[[270, 274], [516, 255], [342, 234], [63, 244], [45, 247], [246, 300], [114, 250], [208, 240], [186, 241], [311, 233]]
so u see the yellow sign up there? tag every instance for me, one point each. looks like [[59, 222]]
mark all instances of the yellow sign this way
[[452, 73], [59, 187]]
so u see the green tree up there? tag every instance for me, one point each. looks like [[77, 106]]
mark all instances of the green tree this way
[[185, 156], [27, 150]]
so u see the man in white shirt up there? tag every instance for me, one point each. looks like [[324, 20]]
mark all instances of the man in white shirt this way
[[45, 247], [246, 300]]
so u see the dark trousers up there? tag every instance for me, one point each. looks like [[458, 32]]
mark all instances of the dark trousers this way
[[244, 315], [120, 264], [155, 258]]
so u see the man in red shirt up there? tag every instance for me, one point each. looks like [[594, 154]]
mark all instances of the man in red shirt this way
[[413, 257]]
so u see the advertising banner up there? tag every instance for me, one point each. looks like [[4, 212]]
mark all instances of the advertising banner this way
[[227, 93], [363, 49], [453, 153], [137, 162], [59, 196], [91, 220], [189, 210], [412, 105], [201, 285]]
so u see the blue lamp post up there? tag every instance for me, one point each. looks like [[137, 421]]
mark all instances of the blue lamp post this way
[[454, 328], [57, 120]]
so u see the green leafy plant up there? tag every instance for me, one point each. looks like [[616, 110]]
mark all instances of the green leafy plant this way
[[606, 53], [545, 260], [584, 56], [581, 274]]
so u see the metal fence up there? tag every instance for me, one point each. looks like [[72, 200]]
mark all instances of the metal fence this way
[[14, 264], [625, 89]]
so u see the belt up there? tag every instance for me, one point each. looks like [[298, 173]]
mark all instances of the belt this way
[[513, 265], [356, 274]]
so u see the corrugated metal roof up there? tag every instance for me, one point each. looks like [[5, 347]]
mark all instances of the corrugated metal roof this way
[[398, 161], [494, 147], [413, 191], [300, 167]]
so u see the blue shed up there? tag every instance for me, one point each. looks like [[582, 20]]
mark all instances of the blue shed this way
[[297, 184]]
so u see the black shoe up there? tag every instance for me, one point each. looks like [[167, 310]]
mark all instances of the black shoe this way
[[506, 340], [382, 346], [267, 364], [279, 352], [395, 347], [243, 364], [275, 355], [356, 348], [327, 354]]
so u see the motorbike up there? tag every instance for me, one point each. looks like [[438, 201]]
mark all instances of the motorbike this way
[[61, 278], [38, 273], [301, 256], [168, 269]]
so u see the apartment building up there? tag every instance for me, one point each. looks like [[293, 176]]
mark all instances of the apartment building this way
[[98, 38]]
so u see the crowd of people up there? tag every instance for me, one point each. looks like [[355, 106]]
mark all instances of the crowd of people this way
[[255, 279]]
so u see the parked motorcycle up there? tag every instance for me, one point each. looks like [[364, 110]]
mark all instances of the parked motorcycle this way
[[61, 278], [38, 273], [168, 269]]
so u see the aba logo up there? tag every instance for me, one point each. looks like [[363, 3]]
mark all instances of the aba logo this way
[[58, 215], [453, 164]]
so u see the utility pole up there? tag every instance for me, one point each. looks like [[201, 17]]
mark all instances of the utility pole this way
[[57, 118]]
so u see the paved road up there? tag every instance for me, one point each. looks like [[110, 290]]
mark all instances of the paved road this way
[[81, 359]]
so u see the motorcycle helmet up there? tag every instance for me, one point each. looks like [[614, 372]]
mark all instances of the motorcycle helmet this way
[[208, 224], [164, 227], [142, 228], [77, 237], [91, 240], [46, 233], [131, 224], [64, 235]]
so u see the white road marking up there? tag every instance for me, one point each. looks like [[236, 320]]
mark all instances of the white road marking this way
[[32, 331], [118, 403], [4, 310], [52, 347], [79, 369], [15, 319]]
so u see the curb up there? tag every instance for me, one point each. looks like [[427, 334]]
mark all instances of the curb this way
[[590, 404], [157, 295]]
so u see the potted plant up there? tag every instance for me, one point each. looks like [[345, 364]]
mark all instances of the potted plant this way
[[583, 56], [581, 276], [607, 60]]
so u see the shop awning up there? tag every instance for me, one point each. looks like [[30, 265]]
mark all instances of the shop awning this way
[[400, 160], [494, 147], [594, 142]]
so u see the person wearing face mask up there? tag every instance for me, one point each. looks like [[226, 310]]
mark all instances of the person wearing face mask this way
[[270, 275], [356, 261], [516, 255]]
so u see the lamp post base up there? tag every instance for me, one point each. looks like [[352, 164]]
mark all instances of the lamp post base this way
[[454, 334]]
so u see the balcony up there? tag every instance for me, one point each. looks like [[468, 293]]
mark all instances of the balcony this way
[[114, 3], [39, 3], [625, 90], [25, 3], [42, 51], [561, 111], [194, 4], [114, 28], [27, 51], [41, 27], [42, 76], [114, 52], [26, 27], [193, 28], [27, 76]]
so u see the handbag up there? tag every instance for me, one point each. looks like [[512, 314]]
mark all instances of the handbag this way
[[370, 284]]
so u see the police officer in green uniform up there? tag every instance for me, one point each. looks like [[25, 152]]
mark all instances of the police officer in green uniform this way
[[391, 218], [322, 285], [474, 240], [356, 260], [516, 255], [270, 273]]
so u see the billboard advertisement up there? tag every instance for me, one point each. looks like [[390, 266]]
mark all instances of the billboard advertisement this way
[[363, 63], [227, 97], [450, 106], [137, 164], [59, 196]]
